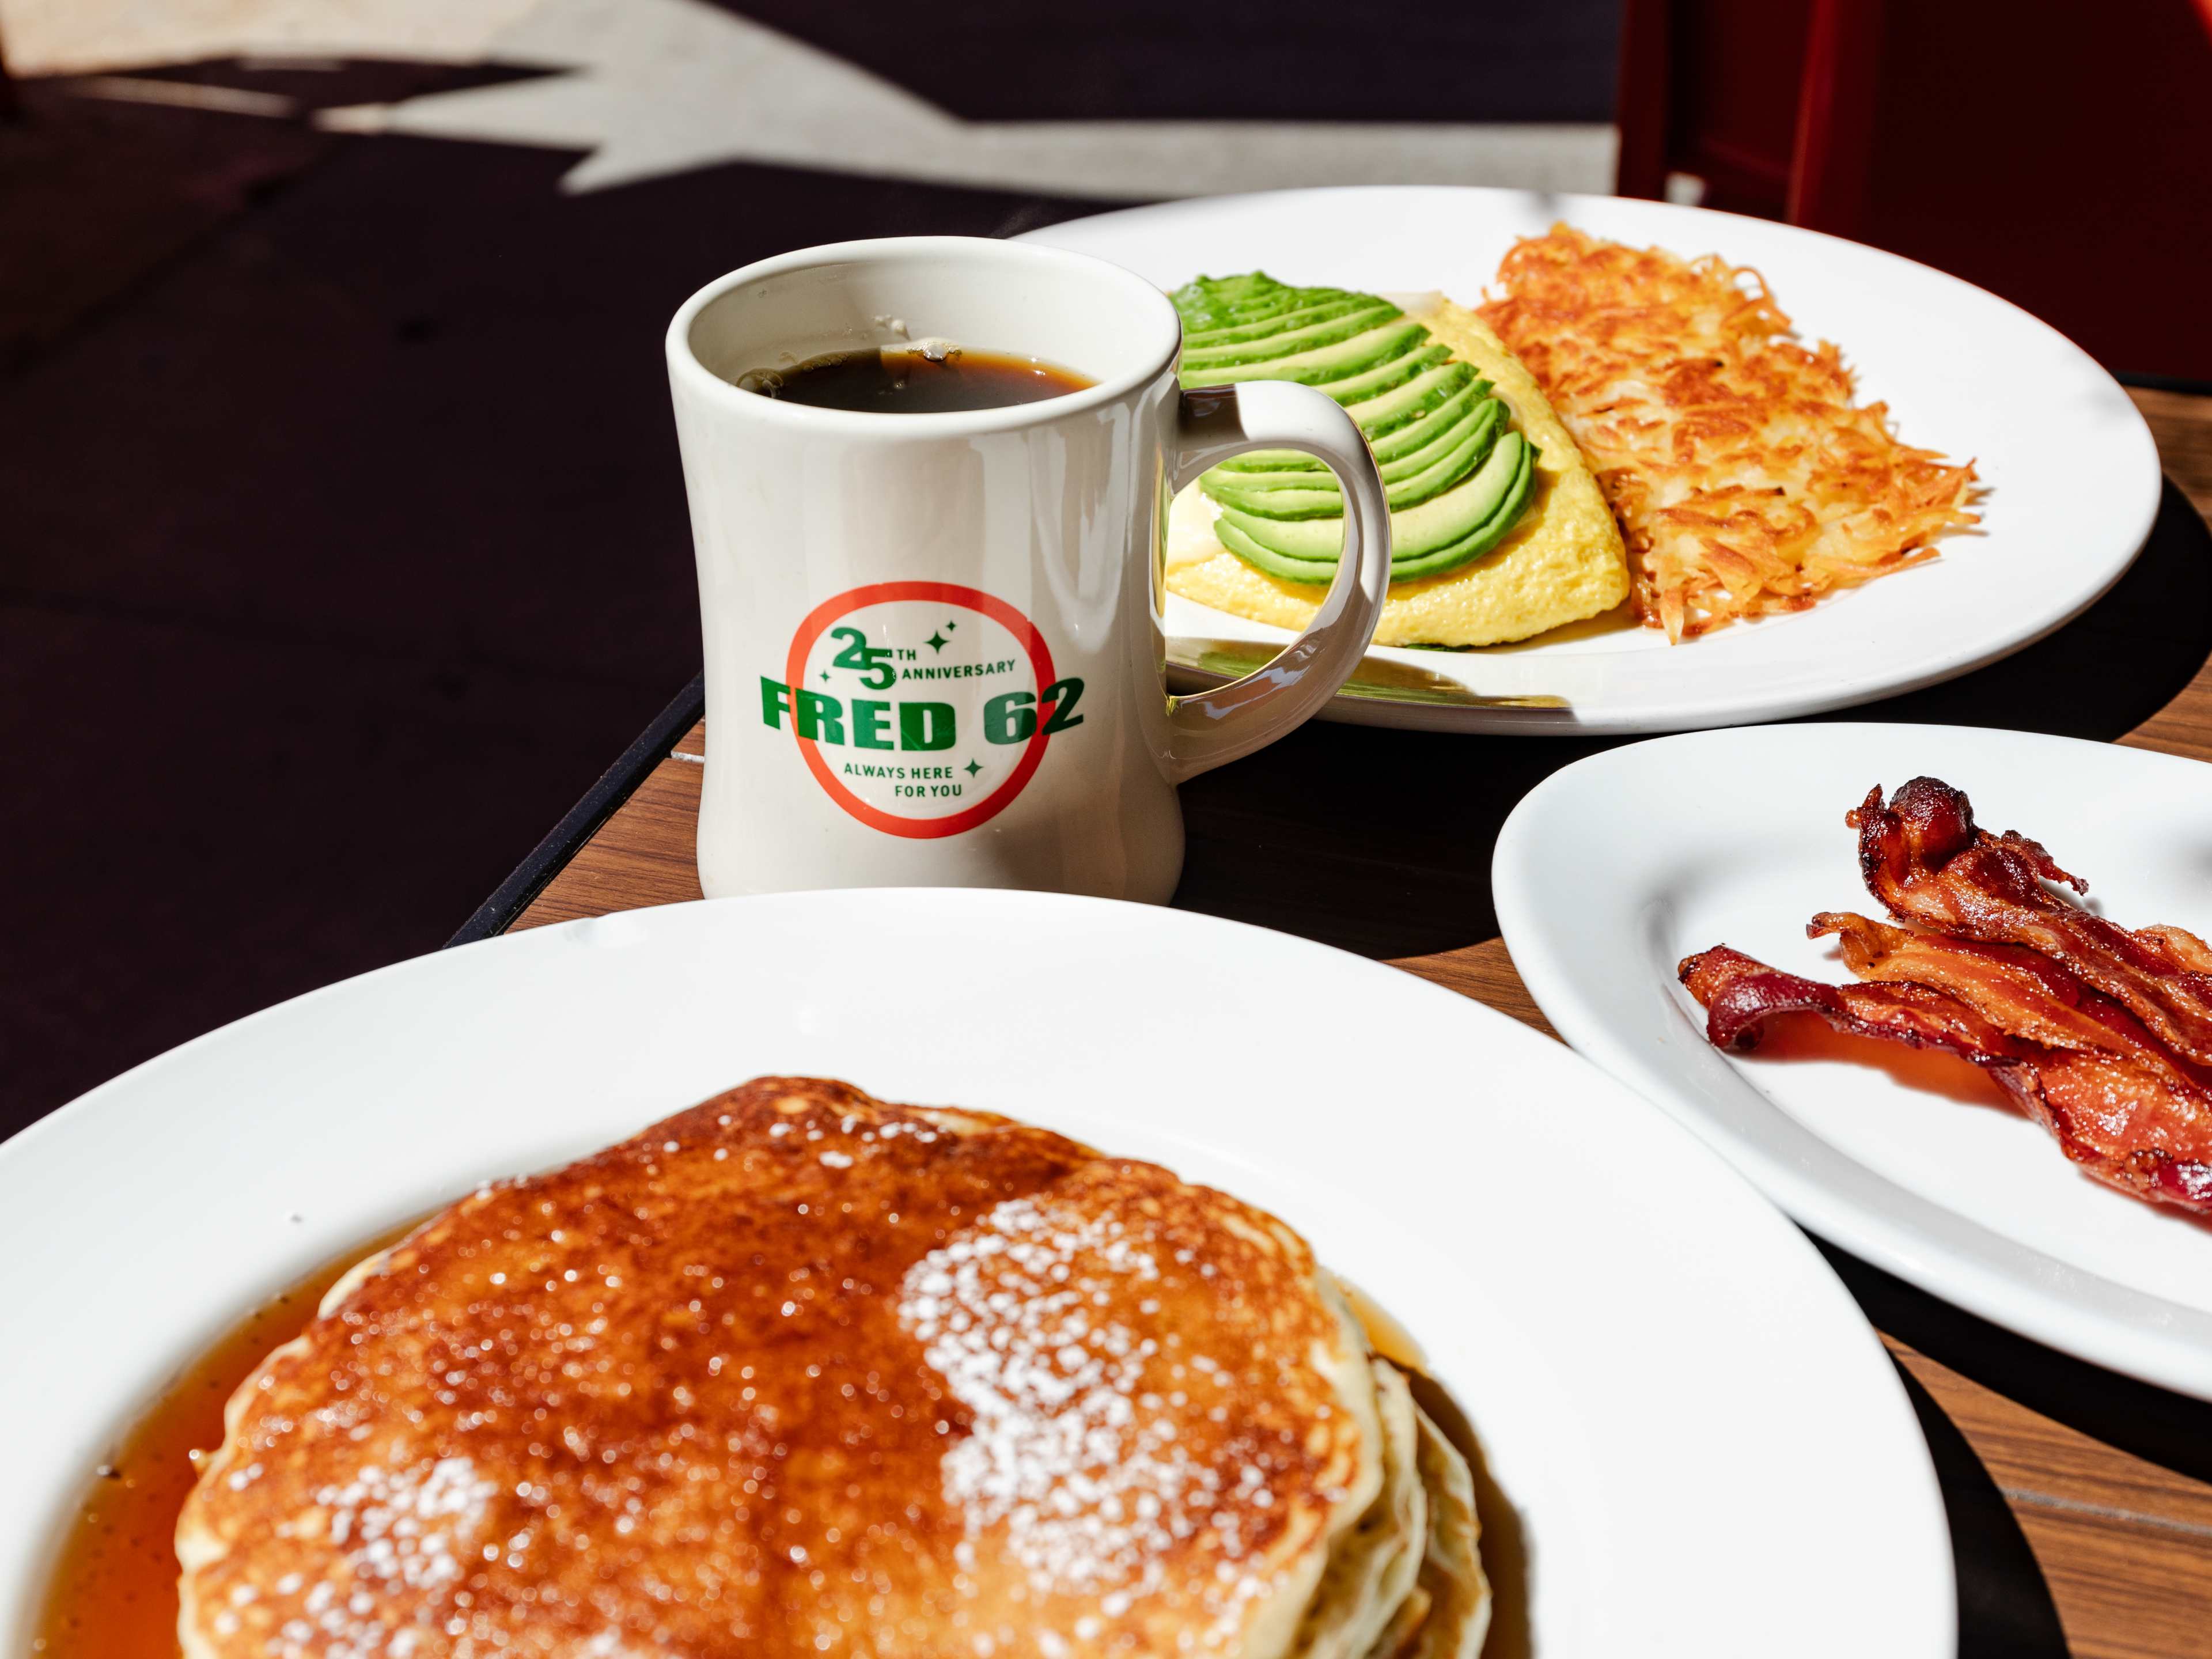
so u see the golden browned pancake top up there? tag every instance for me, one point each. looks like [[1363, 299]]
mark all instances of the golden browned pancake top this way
[[793, 1372]]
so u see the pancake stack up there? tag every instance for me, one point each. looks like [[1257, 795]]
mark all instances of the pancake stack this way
[[800, 1372]]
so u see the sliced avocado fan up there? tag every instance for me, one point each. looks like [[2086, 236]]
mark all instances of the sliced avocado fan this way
[[1458, 476]]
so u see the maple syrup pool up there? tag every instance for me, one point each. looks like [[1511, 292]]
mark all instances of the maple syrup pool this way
[[113, 1592]]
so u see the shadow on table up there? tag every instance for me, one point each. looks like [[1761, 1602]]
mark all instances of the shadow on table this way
[[2005, 1610], [2160, 1427], [2004, 1607], [1393, 830]]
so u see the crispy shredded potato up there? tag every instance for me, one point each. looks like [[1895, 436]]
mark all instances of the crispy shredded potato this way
[[1745, 480]]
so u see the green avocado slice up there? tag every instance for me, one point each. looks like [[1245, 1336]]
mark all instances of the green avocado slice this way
[[1486, 418], [1471, 546], [1392, 407], [1424, 430], [1321, 482], [1319, 572], [1395, 372], [1285, 506], [1290, 474], [1445, 473], [1423, 528], [1288, 342], [1270, 460], [1300, 310], [1486, 536], [1211, 301], [1387, 418], [1407, 483], [1457, 477], [1382, 344]]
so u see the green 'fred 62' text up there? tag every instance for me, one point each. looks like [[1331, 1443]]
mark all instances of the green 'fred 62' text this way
[[873, 723]]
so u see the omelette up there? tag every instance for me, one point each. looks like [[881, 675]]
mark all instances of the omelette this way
[[1560, 561]]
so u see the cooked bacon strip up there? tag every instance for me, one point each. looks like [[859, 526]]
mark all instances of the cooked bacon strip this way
[[1923, 857], [2120, 1120], [2020, 991], [1741, 993]]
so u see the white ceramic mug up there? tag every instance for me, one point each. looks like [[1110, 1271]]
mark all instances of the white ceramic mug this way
[[933, 644]]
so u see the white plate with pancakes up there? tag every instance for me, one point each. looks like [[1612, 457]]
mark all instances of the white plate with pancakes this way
[[1684, 1438], [1916, 1161], [2070, 476]]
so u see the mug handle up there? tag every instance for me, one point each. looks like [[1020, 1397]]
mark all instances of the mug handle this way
[[1212, 424]]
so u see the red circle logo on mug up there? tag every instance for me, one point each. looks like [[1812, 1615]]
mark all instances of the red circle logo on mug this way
[[923, 708]]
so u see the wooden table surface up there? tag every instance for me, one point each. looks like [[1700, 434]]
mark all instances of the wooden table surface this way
[[2081, 1502]]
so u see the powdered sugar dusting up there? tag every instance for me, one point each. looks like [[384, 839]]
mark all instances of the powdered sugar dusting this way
[[1069, 1453], [412, 1525]]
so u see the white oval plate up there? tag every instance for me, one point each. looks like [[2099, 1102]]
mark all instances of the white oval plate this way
[[1702, 1436], [1613, 869], [2072, 475]]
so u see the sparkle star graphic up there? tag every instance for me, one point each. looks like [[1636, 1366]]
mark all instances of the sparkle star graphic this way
[[973, 768], [937, 641]]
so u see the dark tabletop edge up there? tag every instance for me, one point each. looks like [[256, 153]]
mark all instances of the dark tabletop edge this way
[[567, 838], [2195, 388]]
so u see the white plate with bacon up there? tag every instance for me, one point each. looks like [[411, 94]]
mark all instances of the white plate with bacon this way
[[1911, 1029], [2063, 490]]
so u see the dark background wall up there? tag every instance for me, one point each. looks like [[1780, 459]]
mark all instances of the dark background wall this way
[[1014, 60]]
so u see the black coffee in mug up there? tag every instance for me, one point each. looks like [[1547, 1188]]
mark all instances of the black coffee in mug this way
[[918, 381]]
